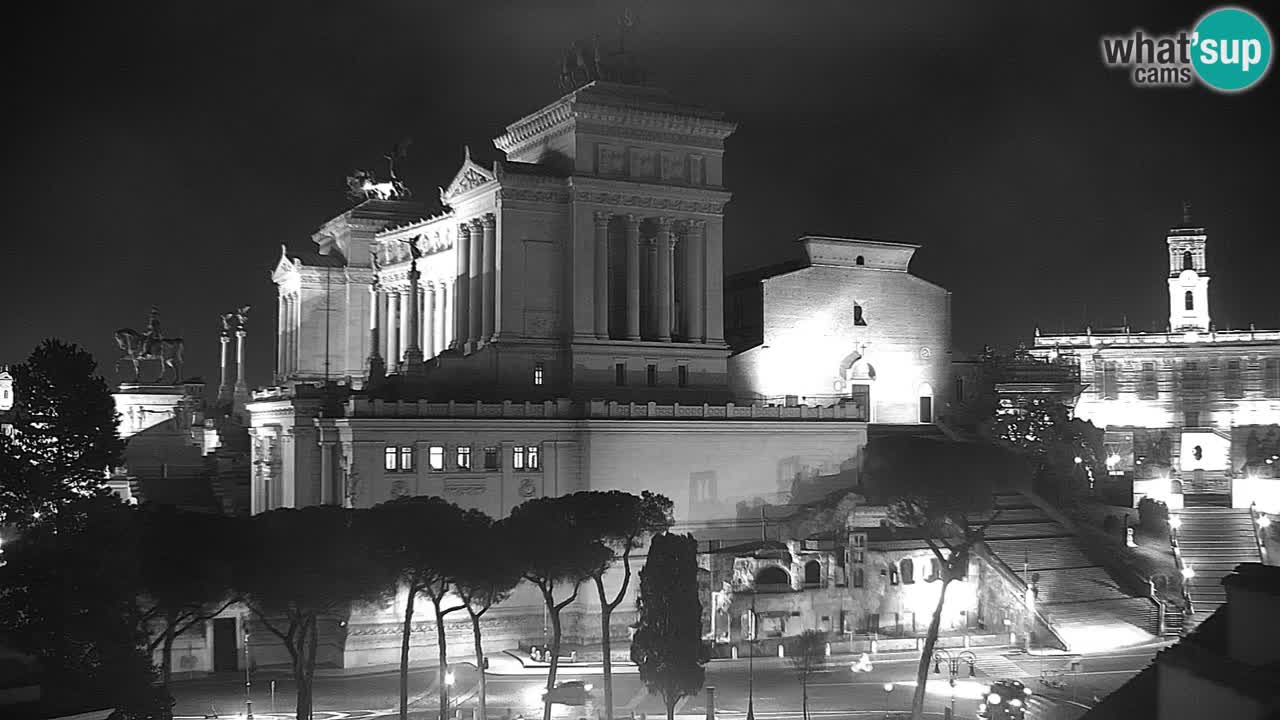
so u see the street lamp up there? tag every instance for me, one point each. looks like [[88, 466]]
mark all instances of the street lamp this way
[[248, 696], [953, 669], [888, 691], [1188, 572], [751, 661]]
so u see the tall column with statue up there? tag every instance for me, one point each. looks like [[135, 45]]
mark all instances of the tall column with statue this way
[[412, 323], [377, 367]]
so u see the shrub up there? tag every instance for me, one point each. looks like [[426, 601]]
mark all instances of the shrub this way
[[1152, 514]]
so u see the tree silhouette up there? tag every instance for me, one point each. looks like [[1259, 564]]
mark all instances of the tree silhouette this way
[[486, 579], [668, 644], [808, 656]]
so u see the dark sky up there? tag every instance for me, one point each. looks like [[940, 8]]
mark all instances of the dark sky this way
[[160, 152]]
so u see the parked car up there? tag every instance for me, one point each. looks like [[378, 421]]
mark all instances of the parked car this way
[[572, 692], [1005, 700]]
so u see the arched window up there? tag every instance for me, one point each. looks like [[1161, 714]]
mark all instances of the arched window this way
[[857, 316], [908, 571], [773, 576], [859, 261], [812, 572], [1175, 487], [1188, 262], [1189, 300], [859, 578], [935, 570]]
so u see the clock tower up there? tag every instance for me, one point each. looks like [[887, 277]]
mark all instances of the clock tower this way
[[1188, 277]]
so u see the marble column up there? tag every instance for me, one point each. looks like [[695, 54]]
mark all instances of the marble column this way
[[328, 496], [405, 324], [393, 329], [632, 225], [602, 275], [429, 320], [665, 245], [694, 300], [281, 335], [444, 323], [489, 268], [377, 368], [413, 322], [475, 287], [242, 387], [714, 281], [461, 294], [224, 390], [294, 315]]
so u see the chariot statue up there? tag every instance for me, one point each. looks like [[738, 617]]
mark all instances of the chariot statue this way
[[365, 185], [151, 345]]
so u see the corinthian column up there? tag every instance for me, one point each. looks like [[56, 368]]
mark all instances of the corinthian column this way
[[393, 329], [224, 390], [602, 275], [377, 368], [406, 329], [242, 387], [489, 267], [694, 300], [461, 293], [413, 323], [632, 225], [429, 321], [666, 243], [281, 336], [475, 324]]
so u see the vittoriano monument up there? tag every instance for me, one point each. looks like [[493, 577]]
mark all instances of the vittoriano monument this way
[[234, 324], [151, 345]]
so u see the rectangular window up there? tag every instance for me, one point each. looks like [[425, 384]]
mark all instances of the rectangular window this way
[[532, 457], [491, 458], [1195, 377], [390, 459], [1271, 377], [651, 375], [1110, 389], [1148, 388], [926, 409], [620, 374], [435, 457], [464, 457], [858, 552], [406, 459], [537, 373], [1231, 386], [682, 375], [517, 457]]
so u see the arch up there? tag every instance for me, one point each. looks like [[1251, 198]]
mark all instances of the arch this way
[[1188, 261], [773, 575], [1175, 486], [1189, 300], [858, 319], [908, 571], [812, 572], [859, 260]]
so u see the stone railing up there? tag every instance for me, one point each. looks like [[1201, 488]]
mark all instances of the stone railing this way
[[549, 410], [730, 411], [1157, 338]]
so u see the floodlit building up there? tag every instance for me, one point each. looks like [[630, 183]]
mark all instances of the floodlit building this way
[[1189, 411], [560, 325]]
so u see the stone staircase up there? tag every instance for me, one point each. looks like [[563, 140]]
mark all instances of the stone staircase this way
[[1206, 488], [1213, 541], [1074, 593]]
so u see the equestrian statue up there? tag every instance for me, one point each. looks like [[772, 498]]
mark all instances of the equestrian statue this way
[[151, 345]]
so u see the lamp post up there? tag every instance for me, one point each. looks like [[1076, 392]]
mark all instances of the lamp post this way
[[953, 662], [888, 692], [248, 696], [751, 663]]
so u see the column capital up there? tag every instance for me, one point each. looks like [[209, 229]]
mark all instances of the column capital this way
[[632, 220], [464, 228], [602, 218], [697, 224], [489, 220], [476, 223], [664, 223]]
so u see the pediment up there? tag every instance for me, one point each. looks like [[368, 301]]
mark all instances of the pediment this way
[[284, 267], [469, 177]]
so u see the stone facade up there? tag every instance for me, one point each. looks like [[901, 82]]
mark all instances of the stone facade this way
[[1203, 388]]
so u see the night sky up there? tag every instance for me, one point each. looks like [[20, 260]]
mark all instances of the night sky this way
[[160, 152]]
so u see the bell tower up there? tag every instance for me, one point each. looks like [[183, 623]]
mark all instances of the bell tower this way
[[1188, 276]]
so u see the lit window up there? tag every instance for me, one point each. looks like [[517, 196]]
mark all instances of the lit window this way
[[651, 375], [528, 456], [537, 373], [389, 459], [406, 458], [1189, 300], [682, 375], [517, 457], [620, 374], [464, 457], [893, 576], [491, 458], [435, 457]]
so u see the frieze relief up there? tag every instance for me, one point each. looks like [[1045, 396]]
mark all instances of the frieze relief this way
[[464, 488], [648, 201], [543, 196], [642, 164], [673, 167]]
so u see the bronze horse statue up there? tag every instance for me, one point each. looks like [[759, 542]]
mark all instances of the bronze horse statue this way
[[138, 347]]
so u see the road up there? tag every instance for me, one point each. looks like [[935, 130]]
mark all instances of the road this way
[[837, 691]]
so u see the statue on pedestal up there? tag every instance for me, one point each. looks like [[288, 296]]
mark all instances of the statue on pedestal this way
[[151, 345]]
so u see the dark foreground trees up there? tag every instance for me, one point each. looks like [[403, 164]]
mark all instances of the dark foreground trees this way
[[808, 657], [299, 567], [944, 490], [668, 644]]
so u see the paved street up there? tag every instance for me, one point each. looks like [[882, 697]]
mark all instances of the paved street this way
[[837, 692]]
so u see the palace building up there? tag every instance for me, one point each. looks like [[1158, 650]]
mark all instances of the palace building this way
[[1189, 411], [560, 325]]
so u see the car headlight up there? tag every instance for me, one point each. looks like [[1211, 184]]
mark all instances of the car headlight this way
[[1015, 703], [1026, 691], [994, 699]]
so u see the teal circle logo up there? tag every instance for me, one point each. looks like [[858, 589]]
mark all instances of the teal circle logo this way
[[1231, 49]]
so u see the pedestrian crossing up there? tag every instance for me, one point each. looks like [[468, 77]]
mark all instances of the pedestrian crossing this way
[[996, 666]]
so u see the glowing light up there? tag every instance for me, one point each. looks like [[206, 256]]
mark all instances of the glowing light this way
[[1015, 703], [36, 515], [1264, 521], [449, 678], [888, 687], [1175, 522], [1113, 460], [963, 689], [588, 687], [1078, 460], [1188, 572], [993, 699]]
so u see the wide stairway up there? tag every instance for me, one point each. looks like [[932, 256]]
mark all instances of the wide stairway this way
[[1085, 605], [1213, 541]]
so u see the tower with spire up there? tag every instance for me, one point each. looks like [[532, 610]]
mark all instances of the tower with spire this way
[[1188, 276]]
